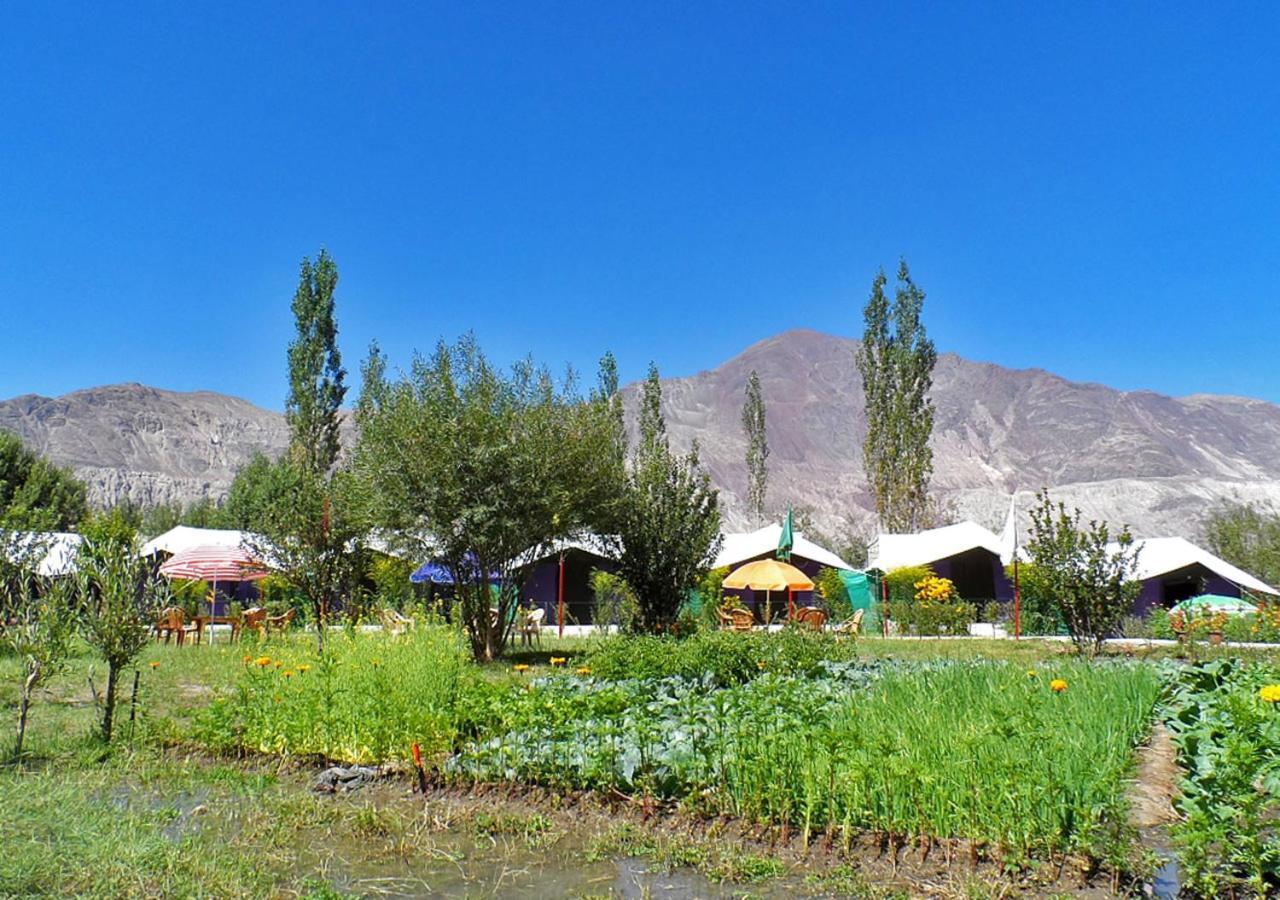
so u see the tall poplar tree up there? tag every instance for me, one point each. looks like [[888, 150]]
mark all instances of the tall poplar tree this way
[[896, 360], [753, 427], [653, 428], [316, 378]]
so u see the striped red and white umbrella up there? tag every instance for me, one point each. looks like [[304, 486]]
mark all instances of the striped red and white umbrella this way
[[214, 563]]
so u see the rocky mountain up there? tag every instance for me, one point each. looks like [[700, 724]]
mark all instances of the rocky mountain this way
[[1159, 463]]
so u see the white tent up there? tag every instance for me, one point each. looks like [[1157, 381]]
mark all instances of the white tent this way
[[60, 549], [185, 537], [1160, 556], [895, 551], [747, 545]]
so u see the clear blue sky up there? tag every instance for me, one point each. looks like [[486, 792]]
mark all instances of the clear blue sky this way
[[1089, 189]]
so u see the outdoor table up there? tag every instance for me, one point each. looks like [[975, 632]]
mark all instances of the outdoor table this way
[[202, 621]]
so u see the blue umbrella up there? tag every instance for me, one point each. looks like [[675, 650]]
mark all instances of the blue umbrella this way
[[436, 572]]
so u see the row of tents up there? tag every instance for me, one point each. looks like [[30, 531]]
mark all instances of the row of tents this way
[[558, 578]]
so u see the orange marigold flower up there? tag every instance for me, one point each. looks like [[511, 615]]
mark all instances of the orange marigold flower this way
[[247, 659], [583, 670], [262, 661], [521, 667], [156, 664], [557, 660], [287, 673], [1059, 685]]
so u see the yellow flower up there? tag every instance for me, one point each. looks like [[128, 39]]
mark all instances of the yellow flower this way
[[1270, 693], [376, 662], [247, 659], [304, 668], [287, 673], [1059, 685], [156, 664], [279, 663], [583, 670], [557, 660], [760, 664], [1031, 673], [262, 661], [521, 667]]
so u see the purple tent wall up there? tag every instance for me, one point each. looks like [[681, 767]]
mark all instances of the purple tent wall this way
[[1001, 585], [755, 600], [542, 585], [1152, 595]]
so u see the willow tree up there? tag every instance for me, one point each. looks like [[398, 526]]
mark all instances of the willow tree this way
[[896, 361], [753, 429], [484, 470]]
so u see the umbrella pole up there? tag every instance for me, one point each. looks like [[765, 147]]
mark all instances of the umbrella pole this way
[[213, 608]]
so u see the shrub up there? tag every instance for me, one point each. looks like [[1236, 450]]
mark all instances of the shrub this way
[[834, 593], [728, 657], [368, 698], [614, 601]]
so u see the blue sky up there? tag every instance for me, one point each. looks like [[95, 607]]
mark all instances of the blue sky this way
[[1085, 188]]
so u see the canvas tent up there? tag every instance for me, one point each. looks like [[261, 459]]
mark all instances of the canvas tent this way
[[1172, 569], [182, 538], [563, 570], [737, 549], [965, 552], [59, 550]]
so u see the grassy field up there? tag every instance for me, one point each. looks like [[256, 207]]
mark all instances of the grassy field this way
[[961, 740]]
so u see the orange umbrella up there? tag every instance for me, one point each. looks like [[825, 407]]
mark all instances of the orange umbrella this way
[[769, 575]]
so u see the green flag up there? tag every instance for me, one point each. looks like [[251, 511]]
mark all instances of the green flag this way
[[786, 540]]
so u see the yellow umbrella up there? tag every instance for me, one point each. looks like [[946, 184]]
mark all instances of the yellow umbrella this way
[[769, 575]]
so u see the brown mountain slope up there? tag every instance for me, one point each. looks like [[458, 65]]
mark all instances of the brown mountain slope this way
[[1157, 462]]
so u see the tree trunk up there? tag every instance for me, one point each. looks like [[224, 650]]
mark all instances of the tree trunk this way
[[24, 704], [109, 707]]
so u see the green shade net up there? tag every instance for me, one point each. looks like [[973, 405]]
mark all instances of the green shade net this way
[[861, 596]]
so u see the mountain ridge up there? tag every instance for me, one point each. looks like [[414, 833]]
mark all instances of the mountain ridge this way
[[1149, 459]]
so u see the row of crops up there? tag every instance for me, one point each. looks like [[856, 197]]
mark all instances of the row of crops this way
[[1029, 762]]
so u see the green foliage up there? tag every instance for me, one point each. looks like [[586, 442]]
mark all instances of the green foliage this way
[[36, 495], [896, 360], [834, 594], [753, 430], [1248, 537], [1228, 741], [37, 627], [979, 751], [310, 540], [261, 486], [1040, 614], [366, 699], [316, 376], [668, 522], [615, 602], [120, 597], [490, 464], [1094, 588], [725, 657], [390, 576]]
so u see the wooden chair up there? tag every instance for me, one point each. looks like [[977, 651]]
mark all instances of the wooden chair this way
[[253, 619], [852, 625], [393, 622], [172, 623], [726, 620], [743, 619], [811, 617], [531, 626], [279, 623]]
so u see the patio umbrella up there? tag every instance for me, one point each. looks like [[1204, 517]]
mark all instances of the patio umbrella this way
[[769, 575], [1214, 603], [213, 563]]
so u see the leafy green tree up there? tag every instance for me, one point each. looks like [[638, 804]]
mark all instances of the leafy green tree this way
[[311, 541], [120, 597], [36, 495], [1248, 537], [668, 530], [37, 631], [261, 486], [316, 377], [753, 428], [483, 470], [896, 361], [1091, 577], [609, 394]]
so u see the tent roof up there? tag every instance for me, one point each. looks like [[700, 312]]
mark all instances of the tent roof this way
[[894, 551], [61, 548], [185, 537], [586, 541], [742, 546], [1160, 556]]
